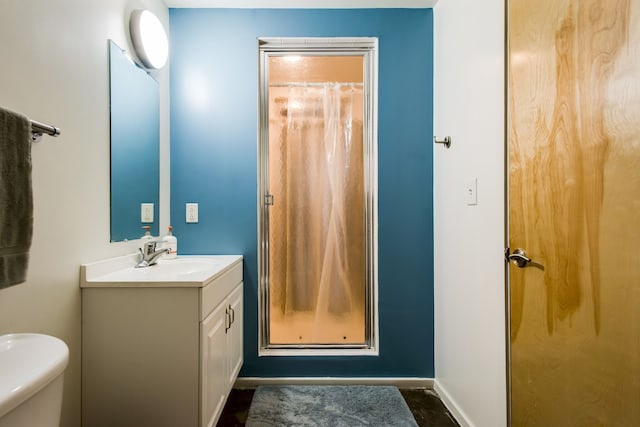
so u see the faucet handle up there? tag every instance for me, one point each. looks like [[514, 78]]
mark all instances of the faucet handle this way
[[149, 247]]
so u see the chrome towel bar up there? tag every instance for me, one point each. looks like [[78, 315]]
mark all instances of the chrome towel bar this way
[[38, 129]]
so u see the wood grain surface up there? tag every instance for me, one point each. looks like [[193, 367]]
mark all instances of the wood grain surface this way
[[574, 198]]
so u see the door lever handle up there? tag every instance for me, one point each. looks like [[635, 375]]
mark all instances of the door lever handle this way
[[519, 258]]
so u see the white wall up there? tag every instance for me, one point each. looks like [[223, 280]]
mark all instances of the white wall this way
[[469, 271], [54, 69]]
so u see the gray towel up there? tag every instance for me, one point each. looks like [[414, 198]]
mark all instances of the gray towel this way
[[16, 199]]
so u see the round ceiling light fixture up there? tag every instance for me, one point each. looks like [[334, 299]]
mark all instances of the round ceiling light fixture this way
[[149, 38]]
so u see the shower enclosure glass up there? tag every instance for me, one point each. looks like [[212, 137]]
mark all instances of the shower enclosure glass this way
[[317, 198]]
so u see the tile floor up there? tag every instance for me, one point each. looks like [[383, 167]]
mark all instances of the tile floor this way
[[425, 405]]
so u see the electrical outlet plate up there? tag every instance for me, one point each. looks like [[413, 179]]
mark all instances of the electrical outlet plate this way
[[192, 212], [146, 212]]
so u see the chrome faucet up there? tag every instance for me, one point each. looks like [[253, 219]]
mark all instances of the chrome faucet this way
[[149, 255]]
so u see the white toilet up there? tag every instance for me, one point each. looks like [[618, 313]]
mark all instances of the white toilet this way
[[31, 371]]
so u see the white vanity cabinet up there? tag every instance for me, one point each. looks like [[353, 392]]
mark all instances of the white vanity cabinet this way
[[221, 359], [161, 353]]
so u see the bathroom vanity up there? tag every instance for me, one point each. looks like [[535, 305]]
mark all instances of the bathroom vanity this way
[[161, 345]]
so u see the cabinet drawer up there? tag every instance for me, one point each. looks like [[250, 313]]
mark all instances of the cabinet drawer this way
[[219, 288]]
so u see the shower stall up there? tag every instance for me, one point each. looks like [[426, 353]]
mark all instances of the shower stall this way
[[317, 201]]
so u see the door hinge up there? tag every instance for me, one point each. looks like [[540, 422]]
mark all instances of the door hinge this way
[[268, 199]]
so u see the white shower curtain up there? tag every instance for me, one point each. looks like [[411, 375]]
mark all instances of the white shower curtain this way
[[317, 223]]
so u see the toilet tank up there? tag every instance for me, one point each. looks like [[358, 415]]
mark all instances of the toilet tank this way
[[31, 377]]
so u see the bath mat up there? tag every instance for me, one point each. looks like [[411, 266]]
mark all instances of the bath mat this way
[[335, 406]]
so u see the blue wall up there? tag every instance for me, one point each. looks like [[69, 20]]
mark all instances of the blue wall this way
[[214, 75]]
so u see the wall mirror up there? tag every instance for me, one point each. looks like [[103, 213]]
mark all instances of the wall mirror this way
[[135, 147]]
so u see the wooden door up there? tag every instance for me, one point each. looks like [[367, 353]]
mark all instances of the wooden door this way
[[574, 207]]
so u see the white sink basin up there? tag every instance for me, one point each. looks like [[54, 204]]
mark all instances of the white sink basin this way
[[190, 270], [166, 270], [184, 265], [28, 362]]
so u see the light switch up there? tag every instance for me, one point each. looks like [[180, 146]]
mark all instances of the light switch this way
[[192, 212], [146, 212], [471, 192]]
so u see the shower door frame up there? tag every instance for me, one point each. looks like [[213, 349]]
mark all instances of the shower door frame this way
[[367, 47]]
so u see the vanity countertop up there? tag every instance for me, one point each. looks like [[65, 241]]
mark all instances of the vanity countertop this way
[[183, 271]]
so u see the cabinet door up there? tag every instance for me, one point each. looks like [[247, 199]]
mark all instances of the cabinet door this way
[[234, 339], [213, 365]]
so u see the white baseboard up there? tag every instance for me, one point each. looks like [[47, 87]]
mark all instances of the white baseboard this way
[[451, 405], [253, 382]]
